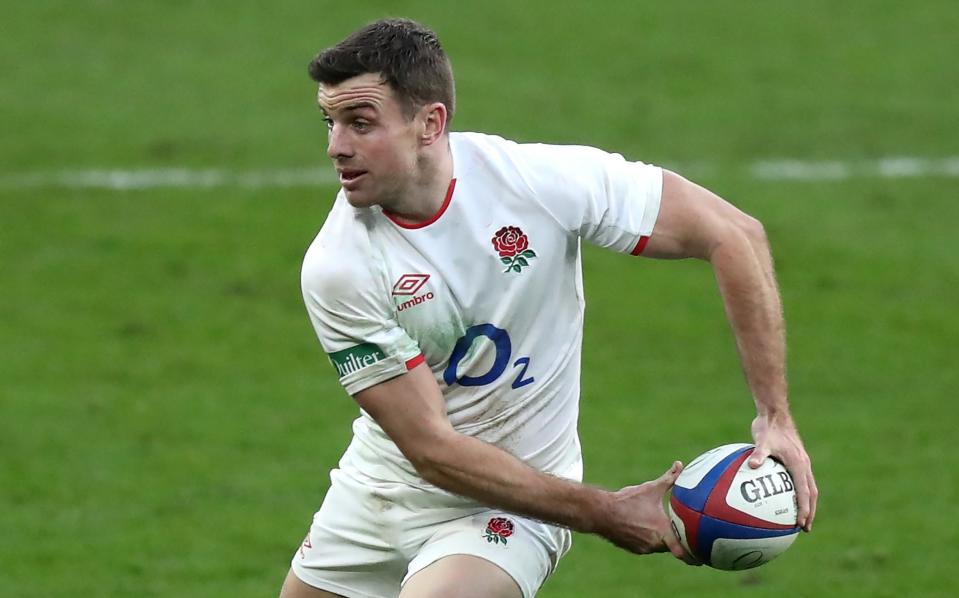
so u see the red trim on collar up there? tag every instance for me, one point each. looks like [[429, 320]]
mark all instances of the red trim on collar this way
[[436, 216]]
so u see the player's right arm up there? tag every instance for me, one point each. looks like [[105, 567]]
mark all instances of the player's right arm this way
[[343, 294], [411, 410]]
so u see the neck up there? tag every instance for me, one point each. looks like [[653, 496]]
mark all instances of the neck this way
[[425, 196]]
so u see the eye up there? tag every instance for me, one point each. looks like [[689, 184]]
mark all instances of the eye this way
[[329, 122], [361, 125]]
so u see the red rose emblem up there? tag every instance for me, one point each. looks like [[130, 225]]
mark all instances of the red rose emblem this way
[[498, 529], [512, 245], [510, 241]]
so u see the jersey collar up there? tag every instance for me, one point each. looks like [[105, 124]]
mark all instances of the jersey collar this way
[[415, 225]]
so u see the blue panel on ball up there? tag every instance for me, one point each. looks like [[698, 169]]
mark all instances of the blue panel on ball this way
[[695, 498], [711, 529]]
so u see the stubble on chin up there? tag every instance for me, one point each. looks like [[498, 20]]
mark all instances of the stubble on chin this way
[[358, 199]]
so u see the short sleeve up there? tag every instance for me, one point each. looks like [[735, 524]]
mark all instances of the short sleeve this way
[[355, 324], [602, 197]]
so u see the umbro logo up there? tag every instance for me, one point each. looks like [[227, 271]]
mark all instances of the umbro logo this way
[[408, 285]]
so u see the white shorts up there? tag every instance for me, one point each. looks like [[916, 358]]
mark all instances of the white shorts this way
[[370, 536]]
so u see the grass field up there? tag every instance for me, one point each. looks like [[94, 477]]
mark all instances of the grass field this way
[[167, 418]]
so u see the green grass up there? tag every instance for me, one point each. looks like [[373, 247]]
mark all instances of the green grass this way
[[167, 418]]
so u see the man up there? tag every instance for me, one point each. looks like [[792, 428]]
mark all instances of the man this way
[[445, 286]]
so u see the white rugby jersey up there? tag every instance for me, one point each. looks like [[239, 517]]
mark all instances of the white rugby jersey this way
[[488, 292]]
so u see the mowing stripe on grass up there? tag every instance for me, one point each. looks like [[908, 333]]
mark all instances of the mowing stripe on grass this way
[[772, 170]]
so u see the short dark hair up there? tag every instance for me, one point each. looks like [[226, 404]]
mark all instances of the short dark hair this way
[[407, 55]]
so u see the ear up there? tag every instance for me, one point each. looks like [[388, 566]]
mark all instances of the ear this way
[[433, 122]]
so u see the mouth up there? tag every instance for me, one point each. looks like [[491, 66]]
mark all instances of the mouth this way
[[349, 177]]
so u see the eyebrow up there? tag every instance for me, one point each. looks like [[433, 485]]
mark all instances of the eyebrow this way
[[353, 106], [360, 105]]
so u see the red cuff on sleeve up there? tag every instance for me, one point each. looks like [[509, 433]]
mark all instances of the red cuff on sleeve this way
[[640, 246], [412, 363]]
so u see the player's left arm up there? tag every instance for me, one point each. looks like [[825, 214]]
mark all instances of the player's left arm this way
[[694, 222]]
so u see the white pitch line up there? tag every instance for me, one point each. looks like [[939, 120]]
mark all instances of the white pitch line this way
[[149, 178], [893, 167], [896, 167]]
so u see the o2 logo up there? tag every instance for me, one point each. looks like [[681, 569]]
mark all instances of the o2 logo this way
[[504, 351]]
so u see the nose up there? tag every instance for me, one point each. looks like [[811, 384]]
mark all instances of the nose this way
[[338, 144]]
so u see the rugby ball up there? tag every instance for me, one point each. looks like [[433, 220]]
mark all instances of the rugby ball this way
[[731, 516]]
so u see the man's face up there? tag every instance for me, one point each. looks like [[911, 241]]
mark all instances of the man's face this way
[[371, 142]]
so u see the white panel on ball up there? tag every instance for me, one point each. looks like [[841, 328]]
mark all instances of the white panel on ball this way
[[766, 493], [733, 555]]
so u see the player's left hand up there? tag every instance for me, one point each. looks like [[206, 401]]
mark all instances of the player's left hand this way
[[777, 437]]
